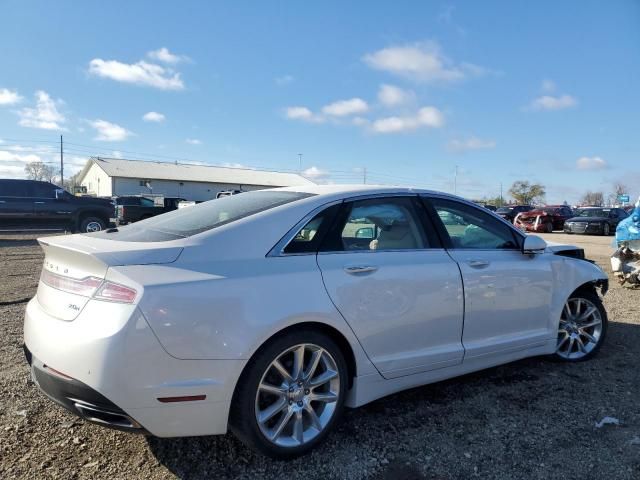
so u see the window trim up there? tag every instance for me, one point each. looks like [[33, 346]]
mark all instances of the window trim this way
[[278, 249], [421, 217], [444, 234]]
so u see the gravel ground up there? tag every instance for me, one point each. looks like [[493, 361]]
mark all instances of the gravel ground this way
[[532, 419]]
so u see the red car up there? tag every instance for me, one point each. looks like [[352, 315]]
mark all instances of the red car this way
[[544, 219]]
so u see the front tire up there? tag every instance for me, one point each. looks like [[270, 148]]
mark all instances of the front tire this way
[[583, 327], [606, 229], [291, 394]]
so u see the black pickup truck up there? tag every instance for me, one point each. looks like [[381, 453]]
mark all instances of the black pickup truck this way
[[133, 208], [34, 205]]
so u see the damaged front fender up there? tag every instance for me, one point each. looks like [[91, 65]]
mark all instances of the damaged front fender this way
[[625, 261]]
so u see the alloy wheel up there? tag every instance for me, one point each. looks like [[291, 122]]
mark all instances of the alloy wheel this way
[[580, 329], [297, 395], [93, 227]]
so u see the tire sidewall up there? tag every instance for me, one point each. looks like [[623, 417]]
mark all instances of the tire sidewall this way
[[242, 421]]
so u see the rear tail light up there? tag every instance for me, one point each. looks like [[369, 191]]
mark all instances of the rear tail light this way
[[84, 286], [114, 292], [90, 287]]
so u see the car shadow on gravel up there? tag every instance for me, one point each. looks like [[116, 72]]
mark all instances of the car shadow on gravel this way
[[504, 422]]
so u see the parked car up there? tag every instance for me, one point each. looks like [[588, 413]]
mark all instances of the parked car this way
[[134, 208], [267, 313], [596, 220], [35, 205], [509, 212], [545, 219], [226, 193]]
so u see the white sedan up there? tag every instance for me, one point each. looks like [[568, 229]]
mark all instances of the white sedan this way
[[270, 311]]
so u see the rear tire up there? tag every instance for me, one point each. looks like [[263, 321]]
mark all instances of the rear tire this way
[[548, 227], [606, 229], [582, 328], [91, 224], [283, 407]]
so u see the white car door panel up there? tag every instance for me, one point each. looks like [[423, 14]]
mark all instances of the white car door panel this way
[[507, 293], [405, 307], [507, 299]]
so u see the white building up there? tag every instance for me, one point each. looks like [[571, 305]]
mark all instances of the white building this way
[[107, 177]]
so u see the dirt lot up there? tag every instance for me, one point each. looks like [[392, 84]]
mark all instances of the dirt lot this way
[[531, 419]]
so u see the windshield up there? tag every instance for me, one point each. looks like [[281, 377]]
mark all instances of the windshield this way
[[202, 217], [504, 209], [594, 212]]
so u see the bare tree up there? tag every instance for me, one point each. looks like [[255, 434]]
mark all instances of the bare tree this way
[[525, 193], [593, 198], [39, 171]]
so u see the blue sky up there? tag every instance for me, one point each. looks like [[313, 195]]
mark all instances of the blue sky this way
[[542, 91]]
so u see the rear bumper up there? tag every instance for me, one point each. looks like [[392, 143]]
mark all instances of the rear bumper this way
[[108, 367], [80, 399]]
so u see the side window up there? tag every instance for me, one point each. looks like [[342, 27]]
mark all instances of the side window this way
[[308, 238], [13, 188], [470, 227], [43, 190], [386, 223]]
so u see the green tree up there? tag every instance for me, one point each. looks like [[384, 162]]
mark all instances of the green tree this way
[[524, 192]]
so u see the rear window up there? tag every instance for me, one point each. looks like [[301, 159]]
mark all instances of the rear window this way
[[205, 216]]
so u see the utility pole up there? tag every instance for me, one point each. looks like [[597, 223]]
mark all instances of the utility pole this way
[[455, 181], [364, 175], [501, 200], [61, 164], [300, 158]]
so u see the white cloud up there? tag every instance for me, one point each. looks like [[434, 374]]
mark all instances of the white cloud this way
[[193, 141], [343, 108], [422, 62], [392, 96], [591, 163], [426, 117], [165, 56], [471, 143], [284, 80], [9, 97], [304, 114], [11, 157], [140, 73], [550, 102], [109, 132], [117, 154], [153, 117], [45, 115], [316, 174]]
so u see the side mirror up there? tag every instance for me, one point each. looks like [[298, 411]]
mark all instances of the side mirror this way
[[59, 194], [533, 244], [364, 232]]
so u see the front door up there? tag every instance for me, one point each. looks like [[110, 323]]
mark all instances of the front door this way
[[507, 294], [395, 286]]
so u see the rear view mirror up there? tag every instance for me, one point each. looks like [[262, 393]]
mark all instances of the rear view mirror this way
[[534, 244]]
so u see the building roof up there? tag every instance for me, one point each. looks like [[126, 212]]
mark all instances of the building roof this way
[[185, 172]]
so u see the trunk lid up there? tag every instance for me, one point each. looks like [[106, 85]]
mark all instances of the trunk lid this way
[[75, 266]]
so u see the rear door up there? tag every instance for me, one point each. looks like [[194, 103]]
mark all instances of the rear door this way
[[394, 285], [507, 294], [16, 206], [51, 210]]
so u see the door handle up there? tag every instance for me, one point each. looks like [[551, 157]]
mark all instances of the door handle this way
[[360, 269], [478, 263]]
